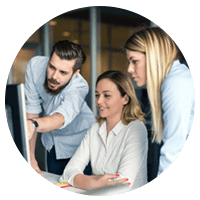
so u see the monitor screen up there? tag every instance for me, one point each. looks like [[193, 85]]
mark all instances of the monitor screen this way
[[16, 117]]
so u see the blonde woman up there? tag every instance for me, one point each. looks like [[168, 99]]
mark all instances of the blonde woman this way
[[153, 61], [117, 144]]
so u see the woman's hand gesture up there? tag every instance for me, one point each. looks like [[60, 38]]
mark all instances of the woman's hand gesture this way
[[109, 179]]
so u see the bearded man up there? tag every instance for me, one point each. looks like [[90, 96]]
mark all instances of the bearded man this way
[[54, 87]]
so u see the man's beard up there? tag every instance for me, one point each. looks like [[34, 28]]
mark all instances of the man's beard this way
[[58, 90]]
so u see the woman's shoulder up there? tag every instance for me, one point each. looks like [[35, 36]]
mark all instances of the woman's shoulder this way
[[136, 123], [137, 126], [178, 78], [94, 127], [179, 73], [136, 132]]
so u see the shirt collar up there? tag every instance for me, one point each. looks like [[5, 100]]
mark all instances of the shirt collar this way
[[116, 130]]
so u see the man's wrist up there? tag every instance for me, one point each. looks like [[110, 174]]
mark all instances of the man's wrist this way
[[35, 124]]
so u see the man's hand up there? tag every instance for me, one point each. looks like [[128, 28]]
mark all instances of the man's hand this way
[[35, 166], [32, 135], [31, 129]]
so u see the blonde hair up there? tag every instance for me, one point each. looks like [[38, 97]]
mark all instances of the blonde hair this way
[[131, 111], [161, 52]]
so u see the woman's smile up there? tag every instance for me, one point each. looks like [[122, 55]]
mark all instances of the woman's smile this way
[[102, 108]]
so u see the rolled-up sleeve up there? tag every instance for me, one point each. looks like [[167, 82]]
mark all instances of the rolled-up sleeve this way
[[177, 105], [33, 100], [71, 104]]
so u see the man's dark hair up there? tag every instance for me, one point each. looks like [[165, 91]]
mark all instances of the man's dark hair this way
[[69, 51]]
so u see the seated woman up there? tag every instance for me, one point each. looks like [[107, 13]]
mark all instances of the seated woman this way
[[117, 144]]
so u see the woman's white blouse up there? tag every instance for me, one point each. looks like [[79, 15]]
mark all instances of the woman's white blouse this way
[[123, 152]]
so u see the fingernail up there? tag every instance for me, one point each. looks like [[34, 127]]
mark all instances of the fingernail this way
[[127, 179], [117, 175], [129, 183], [65, 186]]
